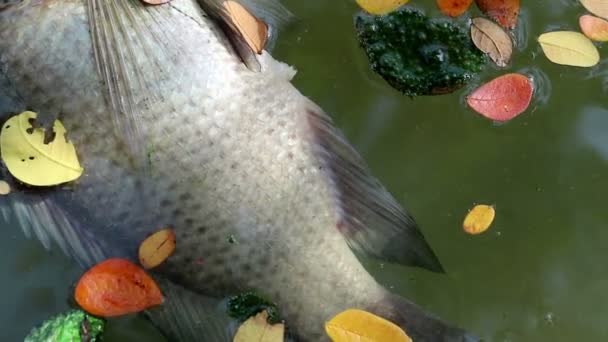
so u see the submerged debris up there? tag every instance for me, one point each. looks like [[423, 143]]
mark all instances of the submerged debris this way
[[75, 325], [246, 305]]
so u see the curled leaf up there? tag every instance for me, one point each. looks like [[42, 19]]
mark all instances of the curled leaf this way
[[504, 12], [156, 248], [31, 160], [454, 8], [503, 98], [116, 287], [492, 39], [594, 28], [380, 6], [569, 48], [597, 7], [251, 28], [479, 219], [257, 329], [357, 325]]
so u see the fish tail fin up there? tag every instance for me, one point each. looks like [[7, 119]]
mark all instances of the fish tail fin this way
[[420, 325]]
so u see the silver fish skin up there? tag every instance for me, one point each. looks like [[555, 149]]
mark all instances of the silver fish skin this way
[[174, 129]]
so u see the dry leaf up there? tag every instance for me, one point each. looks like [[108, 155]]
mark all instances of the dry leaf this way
[[504, 12], [116, 287], [5, 188], [454, 8], [594, 28], [493, 40], [479, 219], [503, 98], [155, 249], [32, 161], [380, 6], [357, 325], [569, 48], [597, 7], [257, 329], [253, 30]]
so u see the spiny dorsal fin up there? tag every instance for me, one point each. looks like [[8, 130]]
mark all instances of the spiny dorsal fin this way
[[370, 219]]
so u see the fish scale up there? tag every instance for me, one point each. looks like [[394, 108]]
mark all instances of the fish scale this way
[[233, 162]]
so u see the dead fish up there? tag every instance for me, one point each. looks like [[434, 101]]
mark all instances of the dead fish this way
[[178, 123]]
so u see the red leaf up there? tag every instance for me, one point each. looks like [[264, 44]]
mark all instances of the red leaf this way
[[503, 98], [116, 287], [504, 12], [454, 8]]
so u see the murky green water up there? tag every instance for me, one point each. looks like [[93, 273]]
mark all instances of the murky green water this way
[[537, 275]]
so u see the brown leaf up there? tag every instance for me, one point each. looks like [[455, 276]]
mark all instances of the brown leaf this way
[[253, 30], [454, 8], [493, 40], [155, 249], [504, 12]]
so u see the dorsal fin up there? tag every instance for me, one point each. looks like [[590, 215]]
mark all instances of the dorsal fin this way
[[271, 12], [370, 219]]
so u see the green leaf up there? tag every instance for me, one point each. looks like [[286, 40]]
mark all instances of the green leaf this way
[[73, 326]]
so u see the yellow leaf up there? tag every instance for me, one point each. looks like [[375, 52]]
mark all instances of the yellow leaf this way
[[253, 30], [597, 7], [32, 161], [569, 48], [479, 219], [257, 329], [361, 326], [155, 249], [380, 6]]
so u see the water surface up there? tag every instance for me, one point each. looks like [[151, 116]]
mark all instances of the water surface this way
[[537, 275]]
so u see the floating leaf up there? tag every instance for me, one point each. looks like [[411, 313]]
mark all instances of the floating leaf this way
[[454, 8], [73, 326], [380, 6], [251, 28], [5, 188], [257, 329], [357, 325], [116, 287], [156, 248], [594, 28], [479, 219], [597, 7], [504, 12], [503, 98], [493, 40], [32, 161], [569, 48]]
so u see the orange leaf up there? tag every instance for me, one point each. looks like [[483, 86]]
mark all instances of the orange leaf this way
[[116, 287], [454, 8], [503, 98], [253, 30], [594, 28], [479, 219], [504, 12]]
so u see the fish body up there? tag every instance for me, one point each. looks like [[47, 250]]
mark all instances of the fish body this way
[[174, 129]]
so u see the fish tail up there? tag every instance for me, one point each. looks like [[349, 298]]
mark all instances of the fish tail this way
[[420, 325]]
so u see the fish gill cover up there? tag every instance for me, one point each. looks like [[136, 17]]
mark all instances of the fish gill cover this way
[[418, 55]]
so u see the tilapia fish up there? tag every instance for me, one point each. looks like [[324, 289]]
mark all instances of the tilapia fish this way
[[178, 123]]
